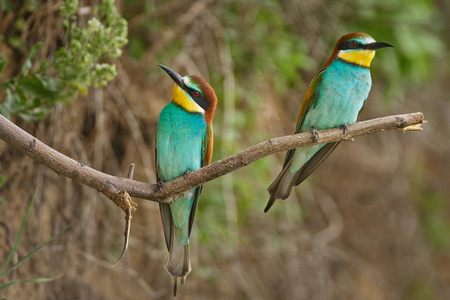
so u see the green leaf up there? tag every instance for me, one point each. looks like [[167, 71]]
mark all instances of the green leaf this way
[[6, 269], [34, 114], [22, 97], [4, 111], [53, 86], [12, 101], [15, 107], [69, 8], [28, 62], [35, 280], [36, 250], [41, 85], [19, 235]]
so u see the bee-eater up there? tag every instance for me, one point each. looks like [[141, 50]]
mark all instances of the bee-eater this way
[[184, 143], [335, 97]]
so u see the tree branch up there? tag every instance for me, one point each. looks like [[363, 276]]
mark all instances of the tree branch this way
[[111, 185]]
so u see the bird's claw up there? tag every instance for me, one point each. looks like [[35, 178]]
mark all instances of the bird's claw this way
[[185, 175], [315, 135], [344, 128], [159, 186]]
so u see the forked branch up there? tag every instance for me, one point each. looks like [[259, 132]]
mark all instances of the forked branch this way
[[110, 185]]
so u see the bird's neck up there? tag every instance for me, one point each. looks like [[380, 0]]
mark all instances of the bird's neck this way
[[183, 100], [361, 58]]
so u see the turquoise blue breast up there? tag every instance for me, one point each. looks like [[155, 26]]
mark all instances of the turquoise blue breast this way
[[179, 141], [341, 96]]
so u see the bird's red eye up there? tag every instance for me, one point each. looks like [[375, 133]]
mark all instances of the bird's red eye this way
[[354, 44], [195, 93]]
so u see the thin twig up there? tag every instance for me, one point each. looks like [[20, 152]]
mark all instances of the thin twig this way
[[131, 171], [112, 185], [127, 205]]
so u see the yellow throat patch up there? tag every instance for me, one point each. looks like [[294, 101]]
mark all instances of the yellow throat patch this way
[[182, 99], [361, 58]]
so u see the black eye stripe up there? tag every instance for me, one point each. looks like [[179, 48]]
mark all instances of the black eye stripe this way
[[194, 93], [198, 99], [349, 45]]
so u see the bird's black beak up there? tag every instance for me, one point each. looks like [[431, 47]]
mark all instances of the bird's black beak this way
[[378, 45], [175, 76]]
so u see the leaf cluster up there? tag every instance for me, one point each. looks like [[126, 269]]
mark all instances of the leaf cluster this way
[[81, 62]]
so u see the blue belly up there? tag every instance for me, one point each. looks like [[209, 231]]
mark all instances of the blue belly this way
[[179, 142]]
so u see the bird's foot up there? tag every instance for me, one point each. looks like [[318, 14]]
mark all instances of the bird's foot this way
[[159, 185], [185, 175], [344, 128], [315, 135]]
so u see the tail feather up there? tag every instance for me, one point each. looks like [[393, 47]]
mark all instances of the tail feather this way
[[282, 186], [167, 222], [175, 284], [178, 263], [177, 220]]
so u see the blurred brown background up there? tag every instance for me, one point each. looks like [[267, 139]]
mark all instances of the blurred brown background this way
[[373, 222]]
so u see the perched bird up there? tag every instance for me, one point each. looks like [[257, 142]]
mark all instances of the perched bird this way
[[335, 97], [184, 143]]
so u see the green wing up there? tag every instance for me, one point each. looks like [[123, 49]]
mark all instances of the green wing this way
[[164, 210], [309, 100], [206, 159]]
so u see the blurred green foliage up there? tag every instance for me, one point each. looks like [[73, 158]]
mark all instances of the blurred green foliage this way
[[432, 206], [30, 94], [435, 223], [422, 290], [414, 27], [271, 47], [78, 64]]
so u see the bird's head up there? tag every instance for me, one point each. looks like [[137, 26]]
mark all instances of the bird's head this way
[[356, 48], [193, 94]]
